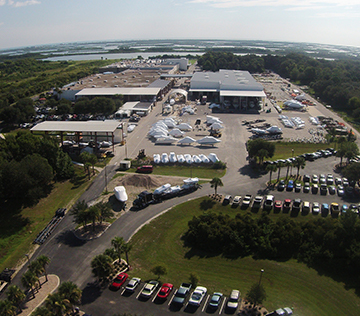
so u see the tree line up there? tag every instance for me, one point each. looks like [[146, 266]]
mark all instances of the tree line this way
[[29, 164], [326, 243], [333, 81]]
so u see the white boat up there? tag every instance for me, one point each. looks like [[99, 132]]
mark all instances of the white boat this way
[[166, 140], [204, 159], [213, 158], [162, 189], [164, 158], [176, 133], [180, 158], [196, 159], [184, 127], [188, 159], [120, 193], [131, 127], [186, 140], [156, 158], [172, 157], [208, 140], [216, 126]]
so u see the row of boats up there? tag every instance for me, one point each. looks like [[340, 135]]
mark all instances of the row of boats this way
[[164, 158]]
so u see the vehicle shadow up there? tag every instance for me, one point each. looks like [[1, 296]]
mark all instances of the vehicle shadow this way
[[191, 309]]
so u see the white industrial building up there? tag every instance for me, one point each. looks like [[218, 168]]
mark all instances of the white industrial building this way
[[232, 88]]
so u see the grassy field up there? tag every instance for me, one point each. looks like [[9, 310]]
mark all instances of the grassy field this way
[[19, 231], [283, 150], [287, 283]]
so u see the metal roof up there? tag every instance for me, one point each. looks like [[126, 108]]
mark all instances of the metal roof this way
[[107, 126], [121, 91], [242, 93]]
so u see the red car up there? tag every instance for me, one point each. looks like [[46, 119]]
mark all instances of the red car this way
[[119, 281], [165, 290], [277, 205]]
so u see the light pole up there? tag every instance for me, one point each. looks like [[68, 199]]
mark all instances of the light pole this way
[[261, 273], [106, 177], [28, 258]]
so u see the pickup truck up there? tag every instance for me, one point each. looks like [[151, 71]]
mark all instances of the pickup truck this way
[[182, 293]]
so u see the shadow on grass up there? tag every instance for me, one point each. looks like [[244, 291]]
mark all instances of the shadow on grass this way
[[68, 238], [11, 220], [78, 180], [207, 204]]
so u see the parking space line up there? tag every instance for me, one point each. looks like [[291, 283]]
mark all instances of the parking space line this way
[[140, 291], [172, 298], [156, 295], [122, 291], [222, 305], [207, 298]]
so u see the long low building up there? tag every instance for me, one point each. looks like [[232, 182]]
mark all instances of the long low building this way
[[130, 94], [89, 130], [235, 88]]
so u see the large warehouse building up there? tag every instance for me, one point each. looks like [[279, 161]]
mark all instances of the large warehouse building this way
[[233, 88]]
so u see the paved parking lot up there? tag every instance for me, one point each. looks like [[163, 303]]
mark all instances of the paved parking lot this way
[[122, 301]]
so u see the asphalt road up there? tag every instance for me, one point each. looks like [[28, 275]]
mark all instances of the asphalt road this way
[[70, 257]]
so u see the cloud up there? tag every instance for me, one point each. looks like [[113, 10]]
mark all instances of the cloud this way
[[18, 4], [275, 3], [2, 2]]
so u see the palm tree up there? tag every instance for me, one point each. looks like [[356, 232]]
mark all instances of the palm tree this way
[[94, 214], [215, 182], [127, 248], [271, 168], [104, 210], [279, 165], [57, 305], [41, 311], [118, 243], [36, 268], [299, 163], [288, 164], [29, 280], [7, 308], [44, 261], [70, 291], [92, 159], [102, 266], [16, 296], [261, 154]]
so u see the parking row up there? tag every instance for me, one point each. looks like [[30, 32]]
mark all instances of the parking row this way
[[176, 299]]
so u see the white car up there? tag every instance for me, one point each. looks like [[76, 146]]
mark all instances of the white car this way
[[198, 295], [188, 158], [133, 283], [203, 158], [149, 288], [196, 159], [233, 301]]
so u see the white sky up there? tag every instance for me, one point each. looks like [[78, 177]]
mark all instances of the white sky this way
[[35, 22]]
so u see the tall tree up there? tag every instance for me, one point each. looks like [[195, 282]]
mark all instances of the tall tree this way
[[16, 296], [41, 311], [159, 271], [102, 266], [271, 168], [215, 183], [57, 305], [105, 211], [44, 261], [118, 243], [127, 248], [7, 308], [29, 281], [299, 163], [288, 165], [256, 294], [70, 292], [36, 268], [279, 166]]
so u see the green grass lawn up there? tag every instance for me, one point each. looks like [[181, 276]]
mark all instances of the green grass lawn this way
[[287, 283], [19, 231], [283, 150]]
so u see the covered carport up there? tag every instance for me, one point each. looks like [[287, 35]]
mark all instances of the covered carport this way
[[243, 99], [97, 129]]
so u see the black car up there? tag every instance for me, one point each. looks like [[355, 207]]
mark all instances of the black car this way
[[323, 189], [296, 205], [281, 185]]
